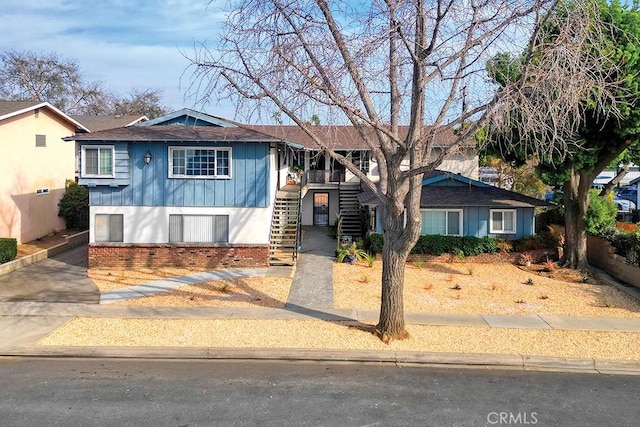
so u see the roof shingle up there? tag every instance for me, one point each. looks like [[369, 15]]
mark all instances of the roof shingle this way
[[173, 133]]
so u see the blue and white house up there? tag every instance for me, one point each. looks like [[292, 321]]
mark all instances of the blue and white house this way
[[187, 183], [452, 204]]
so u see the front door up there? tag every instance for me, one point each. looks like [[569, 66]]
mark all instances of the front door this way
[[321, 209]]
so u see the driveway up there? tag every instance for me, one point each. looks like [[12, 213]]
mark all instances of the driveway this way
[[62, 278]]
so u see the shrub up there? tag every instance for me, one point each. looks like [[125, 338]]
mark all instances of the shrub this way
[[74, 206], [374, 243], [627, 244], [543, 240], [436, 244], [8, 249], [601, 214], [351, 254], [504, 246]]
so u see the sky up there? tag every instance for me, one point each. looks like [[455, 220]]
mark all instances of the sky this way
[[126, 44]]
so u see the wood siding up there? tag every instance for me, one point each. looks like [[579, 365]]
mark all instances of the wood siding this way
[[475, 222], [122, 166], [150, 184]]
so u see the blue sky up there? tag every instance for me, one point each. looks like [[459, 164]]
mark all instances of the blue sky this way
[[127, 44]]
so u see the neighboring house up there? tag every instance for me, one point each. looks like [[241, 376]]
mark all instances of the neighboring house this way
[[95, 123], [184, 189], [607, 175], [452, 204], [636, 183], [328, 188], [34, 165]]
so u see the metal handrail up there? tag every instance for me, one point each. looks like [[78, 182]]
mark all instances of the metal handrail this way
[[298, 244]]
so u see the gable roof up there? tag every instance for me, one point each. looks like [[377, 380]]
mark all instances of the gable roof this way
[[173, 133], [189, 113], [10, 109], [103, 122], [338, 136], [468, 192]]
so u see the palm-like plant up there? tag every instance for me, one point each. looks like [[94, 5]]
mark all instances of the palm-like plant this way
[[352, 253]]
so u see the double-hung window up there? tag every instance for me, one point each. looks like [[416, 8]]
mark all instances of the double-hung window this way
[[447, 222], [191, 162], [361, 160], [503, 221], [98, 161], [109, 228], [198, 228]]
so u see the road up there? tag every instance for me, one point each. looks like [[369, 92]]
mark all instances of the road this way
[[109, 392]]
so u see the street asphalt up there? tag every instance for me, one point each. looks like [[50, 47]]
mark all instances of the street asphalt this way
[[39, 298]]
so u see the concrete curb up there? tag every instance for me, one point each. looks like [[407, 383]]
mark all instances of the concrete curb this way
[[441, 360]]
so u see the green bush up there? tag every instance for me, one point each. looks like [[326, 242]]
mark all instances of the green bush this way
[[601, 214], [8, 249], [437, 245], [373, 243], [74, 206], [627, 244]]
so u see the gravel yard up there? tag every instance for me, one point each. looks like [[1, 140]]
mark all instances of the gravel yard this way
[[446, 287], [486, 288]]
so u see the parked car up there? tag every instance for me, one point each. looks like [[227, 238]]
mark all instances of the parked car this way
[[628, 193], [624, 205]]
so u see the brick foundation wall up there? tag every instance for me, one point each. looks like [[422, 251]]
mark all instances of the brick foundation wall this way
[[190, 256]]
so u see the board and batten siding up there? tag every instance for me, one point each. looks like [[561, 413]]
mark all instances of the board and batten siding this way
[[476, 222], [122, 169], [151, 186]]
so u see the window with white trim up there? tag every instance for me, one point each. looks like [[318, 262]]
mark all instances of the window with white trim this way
[[447, 222], [192, 162], [503, 221], [98, 161], [108, 228], [361, 160], [198, 228]]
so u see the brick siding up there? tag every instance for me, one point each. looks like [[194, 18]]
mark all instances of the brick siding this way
[[190, 256]]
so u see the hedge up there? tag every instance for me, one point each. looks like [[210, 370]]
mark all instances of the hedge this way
[[438, 245], [628, 246], [8, 249]]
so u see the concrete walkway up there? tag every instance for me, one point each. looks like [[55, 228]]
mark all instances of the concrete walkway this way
[[62, 278], [163, 285], [312, 285], [39, 309]]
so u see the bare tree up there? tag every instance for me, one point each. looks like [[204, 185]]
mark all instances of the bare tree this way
[[142, 102], [48, 77], [395, 70]]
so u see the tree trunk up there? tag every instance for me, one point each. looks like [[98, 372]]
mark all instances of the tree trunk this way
[[391, 324], [399, 238], [576, 202]]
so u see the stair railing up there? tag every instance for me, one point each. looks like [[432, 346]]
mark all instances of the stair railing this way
[[298, 243]]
